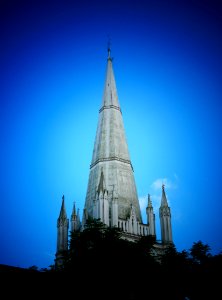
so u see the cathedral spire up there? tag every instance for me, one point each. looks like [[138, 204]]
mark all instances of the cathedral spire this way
[[110, 96], [150, 217], [111, 153], [62, 215], [74, 209], [165, 219], [75, 221], [62, 234], [164, 198]]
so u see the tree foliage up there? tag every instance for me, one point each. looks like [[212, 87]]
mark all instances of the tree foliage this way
[[200, 252], [106, 262]]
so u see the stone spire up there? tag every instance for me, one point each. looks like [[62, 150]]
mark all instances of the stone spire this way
[[75, 221], [110, 96], [111, 153], [163, 199], [74, 209], [62, 234], [150, 217], [62, 215], [165, 219]]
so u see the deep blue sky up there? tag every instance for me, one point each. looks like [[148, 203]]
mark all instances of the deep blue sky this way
[[167, 64]]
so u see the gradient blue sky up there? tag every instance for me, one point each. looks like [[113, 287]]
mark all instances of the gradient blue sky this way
[[167, 65]]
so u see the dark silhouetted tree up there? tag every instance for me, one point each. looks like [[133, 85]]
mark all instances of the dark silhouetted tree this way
[[200, 252]]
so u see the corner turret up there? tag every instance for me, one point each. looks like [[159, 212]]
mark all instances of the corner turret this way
[[75, 219], [150, 217], [165, 219], [62, 235], [101, 203]]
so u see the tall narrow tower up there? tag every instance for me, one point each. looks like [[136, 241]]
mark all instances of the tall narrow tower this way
[[62, 234], [75, 220], [111, 161], [165, 219], [150, 217]]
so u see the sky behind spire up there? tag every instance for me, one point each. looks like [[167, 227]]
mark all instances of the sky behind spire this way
[[167, 63]]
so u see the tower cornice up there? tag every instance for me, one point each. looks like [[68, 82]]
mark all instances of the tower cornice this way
[[105, 159], [108, 107]]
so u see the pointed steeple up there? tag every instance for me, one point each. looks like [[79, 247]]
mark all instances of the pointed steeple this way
[[164, 199], [75, 220], [62, 215], [150, 217], [74, 209], [111, 152], [165, 219], [110, 96], [62, 234], [73, 215]]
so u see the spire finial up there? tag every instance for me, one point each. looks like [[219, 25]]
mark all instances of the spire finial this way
[[109, 47], [74, 208]]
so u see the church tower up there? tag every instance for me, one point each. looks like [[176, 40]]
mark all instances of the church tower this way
[[111, 191], [165, 219]]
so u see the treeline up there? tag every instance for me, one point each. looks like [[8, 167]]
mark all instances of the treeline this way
[[116, 268]]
